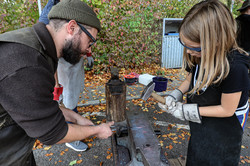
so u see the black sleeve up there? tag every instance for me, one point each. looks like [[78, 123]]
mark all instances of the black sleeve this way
[[237, 79], [27, 97]]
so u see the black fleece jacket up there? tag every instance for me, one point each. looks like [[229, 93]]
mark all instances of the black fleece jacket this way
[[243, 35]]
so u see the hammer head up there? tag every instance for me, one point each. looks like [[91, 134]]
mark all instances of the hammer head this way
[[148, 91]]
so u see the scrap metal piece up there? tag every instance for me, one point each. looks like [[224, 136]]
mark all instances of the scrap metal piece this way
[[119, 127]]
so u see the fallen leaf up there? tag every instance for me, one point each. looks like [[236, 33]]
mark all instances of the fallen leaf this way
[[49, 154], [90, 145], [108, 157], [47, 147], [161, 143], [73, 162], [170, 147], [79, 162]]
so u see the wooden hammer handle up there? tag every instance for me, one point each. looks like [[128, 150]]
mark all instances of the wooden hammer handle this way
[[158, 98]]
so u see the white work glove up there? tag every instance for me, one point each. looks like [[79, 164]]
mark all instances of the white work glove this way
[[174, 96], [90, 63], [183, 112]]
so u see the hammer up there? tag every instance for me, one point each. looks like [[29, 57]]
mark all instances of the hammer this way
[[149, 91]]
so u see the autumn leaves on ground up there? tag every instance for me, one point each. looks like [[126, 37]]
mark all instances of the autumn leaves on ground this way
[[93, 79]]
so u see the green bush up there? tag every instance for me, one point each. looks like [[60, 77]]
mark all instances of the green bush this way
[[131, 29], [15, 14]]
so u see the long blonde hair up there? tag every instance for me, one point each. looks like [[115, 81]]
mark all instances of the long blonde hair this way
[[211, 24]]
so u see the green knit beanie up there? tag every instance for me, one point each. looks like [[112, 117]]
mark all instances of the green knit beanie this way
[[75, 10]]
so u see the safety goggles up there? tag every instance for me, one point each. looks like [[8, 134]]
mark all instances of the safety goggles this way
[[197, 49], [87, 33]]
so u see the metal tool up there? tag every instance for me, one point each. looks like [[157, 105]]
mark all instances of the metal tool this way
[[149, 91], [119, 127]]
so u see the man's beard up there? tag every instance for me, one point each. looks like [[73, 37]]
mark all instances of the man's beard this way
[[72, 52]]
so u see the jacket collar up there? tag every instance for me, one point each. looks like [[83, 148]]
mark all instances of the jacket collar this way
[[45, 40]]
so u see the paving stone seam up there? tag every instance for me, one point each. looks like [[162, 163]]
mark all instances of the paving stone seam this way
[[103, 101]]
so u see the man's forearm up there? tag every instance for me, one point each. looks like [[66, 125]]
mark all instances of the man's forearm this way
[[78, 132]]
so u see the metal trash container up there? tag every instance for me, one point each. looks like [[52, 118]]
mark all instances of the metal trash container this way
[[172, 50]]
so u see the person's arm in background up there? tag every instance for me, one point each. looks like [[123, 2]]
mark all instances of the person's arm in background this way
[[58, 89], [90, 59], [71, 116], [44, 15], [56, 80]]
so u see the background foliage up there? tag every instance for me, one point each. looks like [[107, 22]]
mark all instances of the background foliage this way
[[131, 29]]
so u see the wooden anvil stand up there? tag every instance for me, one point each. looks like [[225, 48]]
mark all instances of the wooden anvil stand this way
[[135, 142], [115, 92]]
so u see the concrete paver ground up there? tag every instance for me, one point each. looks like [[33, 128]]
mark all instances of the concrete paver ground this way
[[174, 133]]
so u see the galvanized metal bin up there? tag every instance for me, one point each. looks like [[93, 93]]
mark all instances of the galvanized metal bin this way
[[172, 50]]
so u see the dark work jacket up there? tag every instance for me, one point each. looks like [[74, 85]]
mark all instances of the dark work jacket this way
[[27, 111], [243, 34]]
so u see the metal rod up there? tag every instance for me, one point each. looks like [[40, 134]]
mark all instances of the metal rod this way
[[39, 7]]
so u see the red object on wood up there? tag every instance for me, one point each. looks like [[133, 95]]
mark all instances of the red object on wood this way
[[129, 79], [136, 76]]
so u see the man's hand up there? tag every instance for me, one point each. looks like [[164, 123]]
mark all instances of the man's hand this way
[[174, 96], [105, 130], [183, 112]]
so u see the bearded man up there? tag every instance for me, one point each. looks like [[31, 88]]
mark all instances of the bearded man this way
[[28, 61]]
